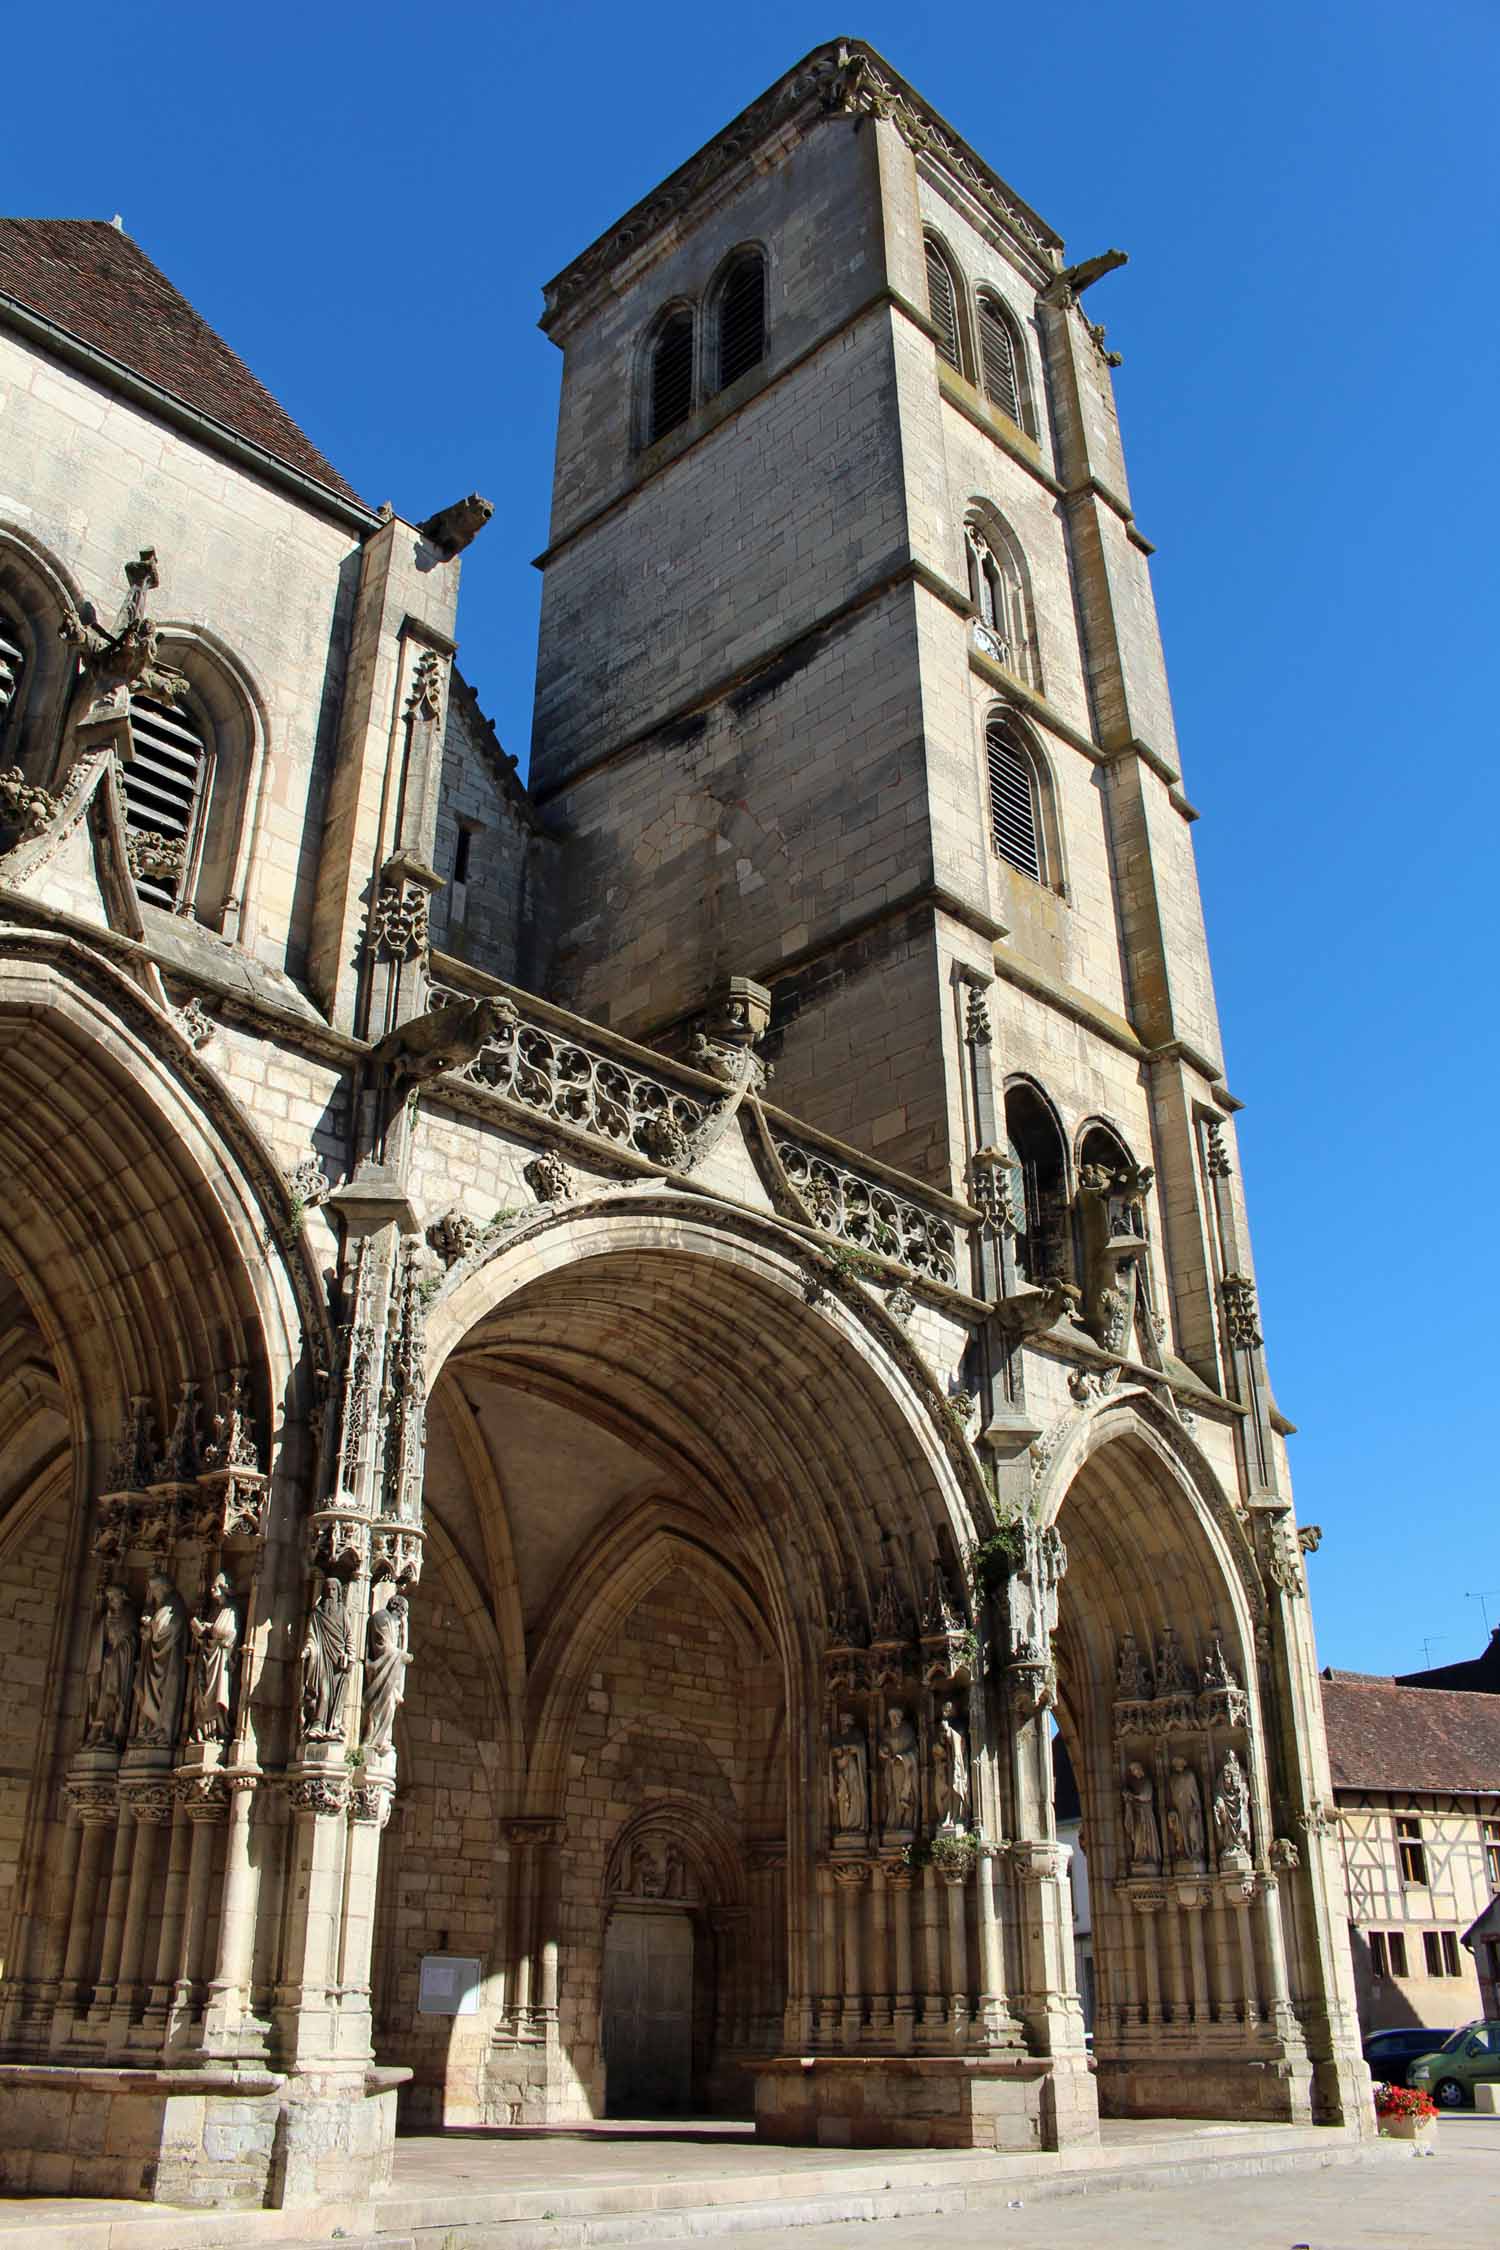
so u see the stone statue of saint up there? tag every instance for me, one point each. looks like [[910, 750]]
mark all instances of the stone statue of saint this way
[[1232, 1808], [950, 1770], [161, 1675], [386, 1659], [898, 1757], [1132, 1674], [326, 1661], [1138, 1808], [111, 1671], [216, 1637], [1184, 1814], [1053, 1565], [849, 1777]]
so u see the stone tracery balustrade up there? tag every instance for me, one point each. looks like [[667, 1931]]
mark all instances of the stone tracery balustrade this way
[[571, 1082], [863, 1212]]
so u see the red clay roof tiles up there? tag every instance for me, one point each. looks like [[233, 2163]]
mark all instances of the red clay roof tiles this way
[[84, 275]]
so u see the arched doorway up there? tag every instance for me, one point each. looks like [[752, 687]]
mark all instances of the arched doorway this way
[[660, 1465], [1158, 1688]]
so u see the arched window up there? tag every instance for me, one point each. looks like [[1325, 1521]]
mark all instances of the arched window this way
[[12, 680], [671, 389], [1015, 807], [166, 795], [741, 317], [1001, 359], [997, 589], [1037, 1145], [943, 302]]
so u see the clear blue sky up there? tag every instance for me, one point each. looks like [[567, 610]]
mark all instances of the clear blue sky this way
[[365, 201]]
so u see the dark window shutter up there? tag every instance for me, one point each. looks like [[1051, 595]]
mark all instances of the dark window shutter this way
[[943, 305], [12, 665], [742, 319], [1012, 802], [997, 353], [162, 785], [672, 376]]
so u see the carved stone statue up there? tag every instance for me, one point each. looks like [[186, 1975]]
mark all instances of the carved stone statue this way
[[1053, 1563], [1132, 1674], [1110, 1203], [216, 1638], [386, 1659], [849, 1778], [161, 1675], [898, 1758], [1216, 1667], [111, 1671], [1171, 1668], [1138, 1811], [1232, 1809], [950, 1770], [1184, 1814], [326, 1661]]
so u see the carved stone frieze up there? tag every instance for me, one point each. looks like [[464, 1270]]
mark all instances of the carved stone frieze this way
[[368, 1801], [317, 1793], [866, 1214]]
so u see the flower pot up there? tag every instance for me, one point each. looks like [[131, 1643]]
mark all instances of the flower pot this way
[[1418, 2129]]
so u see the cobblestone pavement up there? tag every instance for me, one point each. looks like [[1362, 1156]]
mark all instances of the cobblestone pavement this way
[[1452, 2198]]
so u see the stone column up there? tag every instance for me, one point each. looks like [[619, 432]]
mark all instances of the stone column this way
[[851, 1876], [204, 1803], [1268, 1905], [369, 1808], [880, 1956], [94, 1805], [519, 1834], [1240, 1895], [114, 1915], [827, 2017], [169, 1935], [934, 2010], [151, 1809], [994, 2012], [1192, 1899], [229, 1998], [315, 1894], [549, 1909], [1147, 1904], [898, 1879]]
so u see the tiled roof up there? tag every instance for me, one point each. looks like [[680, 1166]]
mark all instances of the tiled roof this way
[[1480, 1675], [1382, 1736], [84, 275]]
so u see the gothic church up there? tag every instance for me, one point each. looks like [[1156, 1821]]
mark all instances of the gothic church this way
[[591, 1372]]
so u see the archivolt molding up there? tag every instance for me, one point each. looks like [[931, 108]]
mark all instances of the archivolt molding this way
[[228, 1130], [696, 1226], [1138, 1413]]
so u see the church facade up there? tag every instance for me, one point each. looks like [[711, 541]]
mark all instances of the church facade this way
[[591, 1371]]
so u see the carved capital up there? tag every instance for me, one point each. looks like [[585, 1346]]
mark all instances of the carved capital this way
[[94, 1804], [370, 1801], [202, 1795], [317, 1793]]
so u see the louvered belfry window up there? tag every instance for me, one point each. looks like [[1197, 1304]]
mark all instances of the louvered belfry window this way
[[1013, 810], [942, 303], [742, 318], [163, 792], [12, 665], [671, 376], [997, 356]]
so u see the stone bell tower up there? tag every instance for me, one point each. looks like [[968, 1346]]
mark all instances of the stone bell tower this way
[[770, 654]]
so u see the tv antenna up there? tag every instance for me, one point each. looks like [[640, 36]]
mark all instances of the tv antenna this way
[[1427, 1649], [1489, 1594]]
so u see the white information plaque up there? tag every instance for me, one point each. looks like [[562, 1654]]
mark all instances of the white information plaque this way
[[449, 1986]]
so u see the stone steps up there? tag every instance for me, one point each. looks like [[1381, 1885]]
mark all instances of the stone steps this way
[[596, 2213]]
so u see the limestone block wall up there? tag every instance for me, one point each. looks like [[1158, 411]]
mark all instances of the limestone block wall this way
[[256, 591], [483, 915], [31, 1567], [440, 1859]]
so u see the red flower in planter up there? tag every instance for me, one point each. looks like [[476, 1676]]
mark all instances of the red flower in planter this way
[[1403, 2101]]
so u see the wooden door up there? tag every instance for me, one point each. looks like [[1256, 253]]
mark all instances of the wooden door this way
[[648, 2014]]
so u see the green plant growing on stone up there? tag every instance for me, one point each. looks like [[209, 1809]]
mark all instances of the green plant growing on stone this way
[[999, 1557], [953, 1854]]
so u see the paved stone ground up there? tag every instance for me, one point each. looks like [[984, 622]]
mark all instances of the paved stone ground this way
[[1452, 2198]]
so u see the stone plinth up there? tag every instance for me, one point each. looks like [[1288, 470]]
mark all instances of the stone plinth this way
[[214, 2139], [947, 2101], [1275, 2091]]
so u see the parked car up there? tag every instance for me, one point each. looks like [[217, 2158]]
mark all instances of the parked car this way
[[1390, 2054], [1469, 2057]]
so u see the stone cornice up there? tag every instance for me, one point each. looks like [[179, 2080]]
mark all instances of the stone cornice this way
[[847, 78]]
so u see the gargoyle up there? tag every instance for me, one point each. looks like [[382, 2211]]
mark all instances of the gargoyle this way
[[1068, 286], [1031, 1312], [449, 1035], [451, 529]]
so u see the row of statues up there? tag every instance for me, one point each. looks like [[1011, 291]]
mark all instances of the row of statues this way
[[1185, 1827], [1136, 1682], [154, 1669], [899, 1756], [158, 1675], [328, 1660]]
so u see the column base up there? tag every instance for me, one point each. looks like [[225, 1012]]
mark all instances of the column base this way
[[1187, 2078], [210, 2139], [918, 2101]]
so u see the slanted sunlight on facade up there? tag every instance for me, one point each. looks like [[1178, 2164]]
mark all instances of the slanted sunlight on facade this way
[[590, 1371]]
